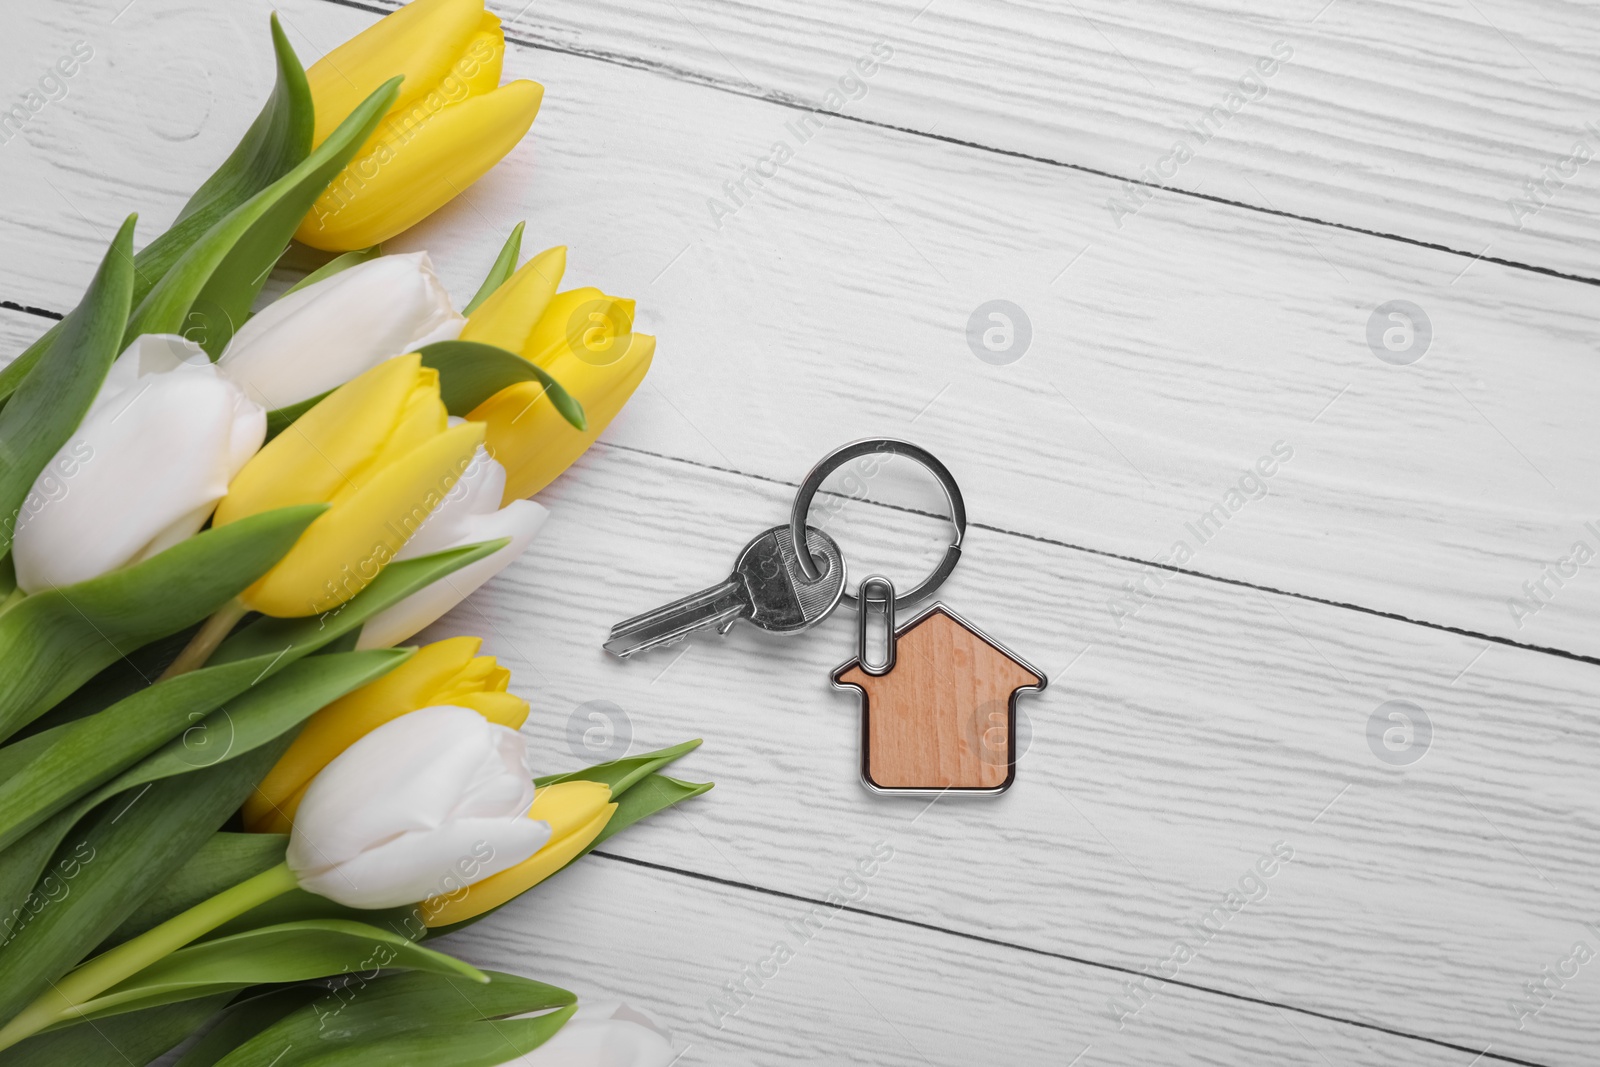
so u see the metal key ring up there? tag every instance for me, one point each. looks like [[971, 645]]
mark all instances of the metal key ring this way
[[890, 447]]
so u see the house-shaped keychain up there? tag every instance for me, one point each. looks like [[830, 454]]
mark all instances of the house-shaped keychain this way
[[940, 713]]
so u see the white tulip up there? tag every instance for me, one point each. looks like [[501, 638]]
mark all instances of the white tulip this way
[[317, 339], [145, 469], [469, 515], [426, 804], [605, 1035]]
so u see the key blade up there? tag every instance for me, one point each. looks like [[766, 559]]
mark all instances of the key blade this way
[[716, 607]]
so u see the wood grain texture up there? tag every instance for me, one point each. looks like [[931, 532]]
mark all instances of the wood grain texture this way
[[1164, 761], [825, 985], [1193, 727], [1423, 120], [1166, 361], [942, 716]]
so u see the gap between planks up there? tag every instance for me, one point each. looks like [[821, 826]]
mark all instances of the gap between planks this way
[[1105, 554], [1459, 631], [1082, 961], [785, 101], [734, 89]]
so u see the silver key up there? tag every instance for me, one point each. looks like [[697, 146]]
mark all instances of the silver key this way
[[767, 588]]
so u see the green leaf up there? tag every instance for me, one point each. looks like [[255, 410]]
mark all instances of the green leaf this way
[[251, 724], [272, 637], [61, 932], [299, 905], [621, 774], [279, 419], [655, 793], [471, 372], [279, 138], [265, 713], [116, 858], [13, 373], [477, 1044], [228, 859], [336, 265], [344, 1022], [291, 952], [259, 649], [208, 292], [53, 642], [51, 401], [505, 265], [122, 678], [28, 881], [267, 725], [225, 860], [260, 718], [243, 1020], [47, 771], [27, 866], [137, 1037]]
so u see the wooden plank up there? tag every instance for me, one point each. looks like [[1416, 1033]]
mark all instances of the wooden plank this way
[[676, 970], [824, 985], [1408, 904], [1202, 735], [1165, 364], [1423, 120], [1429, 879]]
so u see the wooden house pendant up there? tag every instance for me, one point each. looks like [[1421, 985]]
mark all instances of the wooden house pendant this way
[[939, 710]]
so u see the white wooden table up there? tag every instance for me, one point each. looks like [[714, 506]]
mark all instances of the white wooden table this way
[[1179, 332]]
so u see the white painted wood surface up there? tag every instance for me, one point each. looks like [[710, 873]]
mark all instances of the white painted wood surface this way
[[1163, 363], [1170, 752], [1419, 120], [1164, 761], [865, 991]]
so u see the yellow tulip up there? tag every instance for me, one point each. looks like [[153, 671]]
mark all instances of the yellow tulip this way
[[379, 451], [584, 339], [451, 122], [576, 811], [446, 672]]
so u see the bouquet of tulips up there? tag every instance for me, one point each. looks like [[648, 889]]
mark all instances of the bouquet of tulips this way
[[232, 803]]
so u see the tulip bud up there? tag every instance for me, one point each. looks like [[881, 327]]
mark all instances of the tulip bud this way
[[429, 800], [576, 812], [447, 127], [446, 672], [603, 1034], [379, 451], [152, 457], [470, 515], [584, 339], [319, 337]]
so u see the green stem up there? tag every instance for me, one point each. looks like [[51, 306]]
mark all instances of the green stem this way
[[206, 639], [65, 998], [14, 597]]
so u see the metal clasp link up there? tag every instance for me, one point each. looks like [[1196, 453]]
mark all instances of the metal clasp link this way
[[876, 591]]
